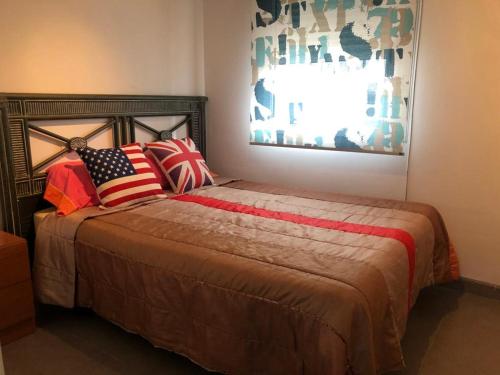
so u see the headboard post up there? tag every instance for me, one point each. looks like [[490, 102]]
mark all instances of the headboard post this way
[[203, 130], [22, 184], [8, 208]]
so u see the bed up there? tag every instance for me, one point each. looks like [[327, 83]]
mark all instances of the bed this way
[[240, 277]]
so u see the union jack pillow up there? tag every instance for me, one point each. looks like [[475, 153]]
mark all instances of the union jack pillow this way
[[182, 164], [122, 176]]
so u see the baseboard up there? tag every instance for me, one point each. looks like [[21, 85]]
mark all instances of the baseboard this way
[[476, 287], [17, 331]]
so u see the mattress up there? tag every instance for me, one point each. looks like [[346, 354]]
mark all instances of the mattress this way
[[250, 278]]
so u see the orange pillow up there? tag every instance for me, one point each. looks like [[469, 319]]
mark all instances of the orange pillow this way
[[69, 187]]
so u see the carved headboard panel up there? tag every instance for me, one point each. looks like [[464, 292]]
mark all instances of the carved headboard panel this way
[[22, 183]]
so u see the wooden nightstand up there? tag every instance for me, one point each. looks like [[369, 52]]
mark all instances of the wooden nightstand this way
[[17, 313]]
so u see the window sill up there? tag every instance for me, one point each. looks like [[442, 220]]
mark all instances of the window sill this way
[[314, 147]]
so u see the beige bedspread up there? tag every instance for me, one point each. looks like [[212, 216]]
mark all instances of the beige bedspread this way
[[54, 270], [240, 293]]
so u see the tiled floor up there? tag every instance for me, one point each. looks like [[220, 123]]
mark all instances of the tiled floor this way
[[449, 332]]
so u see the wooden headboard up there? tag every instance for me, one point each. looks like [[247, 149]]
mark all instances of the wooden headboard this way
[[22, 183]]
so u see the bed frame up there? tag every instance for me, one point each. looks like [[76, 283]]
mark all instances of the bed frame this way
[[22, 184]]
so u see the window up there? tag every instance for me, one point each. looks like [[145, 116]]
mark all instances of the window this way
[[333, 74]]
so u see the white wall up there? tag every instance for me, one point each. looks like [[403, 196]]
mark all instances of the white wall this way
[[455, 159], [228, 77], [455, 155], [101, 46]]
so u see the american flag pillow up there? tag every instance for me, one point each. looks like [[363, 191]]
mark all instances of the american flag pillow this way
[[122, 176], [182, 164]]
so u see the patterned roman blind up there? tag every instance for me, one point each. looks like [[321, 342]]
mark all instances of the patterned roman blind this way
[[333, 74]]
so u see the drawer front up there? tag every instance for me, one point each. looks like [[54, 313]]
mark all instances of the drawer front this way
[[16, 304], [14, 269]]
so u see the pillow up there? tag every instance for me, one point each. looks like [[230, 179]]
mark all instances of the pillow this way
[[182, 165], [69, 187], [165, 185], [122, 175]]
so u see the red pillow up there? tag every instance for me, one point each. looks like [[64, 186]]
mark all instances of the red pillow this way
[[157, 170], [182, 165], [69, 187]]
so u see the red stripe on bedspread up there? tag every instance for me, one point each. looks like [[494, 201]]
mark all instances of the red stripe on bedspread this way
[[398, 234]]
